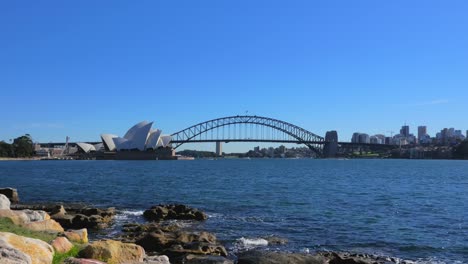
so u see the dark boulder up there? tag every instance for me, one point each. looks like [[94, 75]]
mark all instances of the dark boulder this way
[[75, 216], [172, 241], [269, 257], [175, 212], [11, 194], [197, 259]]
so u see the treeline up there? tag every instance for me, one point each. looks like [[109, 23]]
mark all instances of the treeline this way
[[21, 147], [197, 154], [461, 151]]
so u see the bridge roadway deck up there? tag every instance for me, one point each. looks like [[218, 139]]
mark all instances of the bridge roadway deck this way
[[343, 144]]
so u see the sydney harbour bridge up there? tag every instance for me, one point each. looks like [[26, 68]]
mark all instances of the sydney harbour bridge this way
[[248, 128]]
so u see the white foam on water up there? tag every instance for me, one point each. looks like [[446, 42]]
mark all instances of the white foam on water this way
[[127, 212], [248, 243]]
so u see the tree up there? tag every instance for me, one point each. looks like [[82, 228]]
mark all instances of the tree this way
[[5, 149], [461, 151], [23, 146]]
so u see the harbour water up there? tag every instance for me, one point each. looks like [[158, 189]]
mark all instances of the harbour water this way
[[412, 210]]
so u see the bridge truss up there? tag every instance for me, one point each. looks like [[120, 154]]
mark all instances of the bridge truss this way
[[248, 129]]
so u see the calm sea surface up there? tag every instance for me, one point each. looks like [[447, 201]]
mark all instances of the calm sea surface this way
[[414, 210]]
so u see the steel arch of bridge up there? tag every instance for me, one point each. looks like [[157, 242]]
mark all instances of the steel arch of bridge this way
[[300, 135]]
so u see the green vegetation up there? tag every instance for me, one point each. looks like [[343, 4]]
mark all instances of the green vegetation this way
[[461, 151], [358, 154], [60, 257], [6, 225], [197, 154], [6, 150], [21, 147]]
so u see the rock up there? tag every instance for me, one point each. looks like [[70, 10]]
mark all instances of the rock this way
[[11, 194], [75, 216], [194, 259], [49, 225], [66, 220], [58, 212], [160, 241], [81, 261], [174, 211], [36, 215], [77, 236], [25, 217], [81, 221], [268, 257], [272, 240], [61, 245], [347, 258], [17, 217], [177, 252], [113, 252], [39, 251], [156, 260], [172, 241], [4, 202], [10, 255]]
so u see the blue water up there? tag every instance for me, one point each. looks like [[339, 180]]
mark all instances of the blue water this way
[[414, 210]]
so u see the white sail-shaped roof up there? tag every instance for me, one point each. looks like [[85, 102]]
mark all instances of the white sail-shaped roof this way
[[85, 147], [99, 146], [108, 142], [135, 138], [140, 136], [153, 139], [134, 130], [165, 140], [159, 144], [121, 143]]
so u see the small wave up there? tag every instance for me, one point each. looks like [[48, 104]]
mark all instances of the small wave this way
[[128, 212], [249, 243]]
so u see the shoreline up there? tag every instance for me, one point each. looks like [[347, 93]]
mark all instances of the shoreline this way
[[20, 159]]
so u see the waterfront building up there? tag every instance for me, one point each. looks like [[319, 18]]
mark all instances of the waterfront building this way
[[422, 131], [364, 138], [380, 138], [388, 141], [139, 142], [355, 138], [449, 136], [425, 139], [404, 131]]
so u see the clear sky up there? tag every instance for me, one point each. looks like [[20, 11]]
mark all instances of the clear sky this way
[[81, 68]]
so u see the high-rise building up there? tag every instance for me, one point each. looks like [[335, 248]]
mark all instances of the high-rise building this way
[[355, 138], [422, 131], [404, 131], [364, 138]]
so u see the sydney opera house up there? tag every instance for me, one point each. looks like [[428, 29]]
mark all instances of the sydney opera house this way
[[141, 142]]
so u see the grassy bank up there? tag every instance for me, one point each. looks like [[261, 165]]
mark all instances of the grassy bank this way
[[6, 225]]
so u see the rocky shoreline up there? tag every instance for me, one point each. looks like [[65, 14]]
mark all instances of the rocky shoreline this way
[[160, 240]]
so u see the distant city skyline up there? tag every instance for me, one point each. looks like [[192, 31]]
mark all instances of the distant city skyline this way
[[80, 69]]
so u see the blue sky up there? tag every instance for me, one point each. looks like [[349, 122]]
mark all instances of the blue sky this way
[[81, 68]]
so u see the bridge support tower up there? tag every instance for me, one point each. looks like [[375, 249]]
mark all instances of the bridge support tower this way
[[219, 148], [330, 148]]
